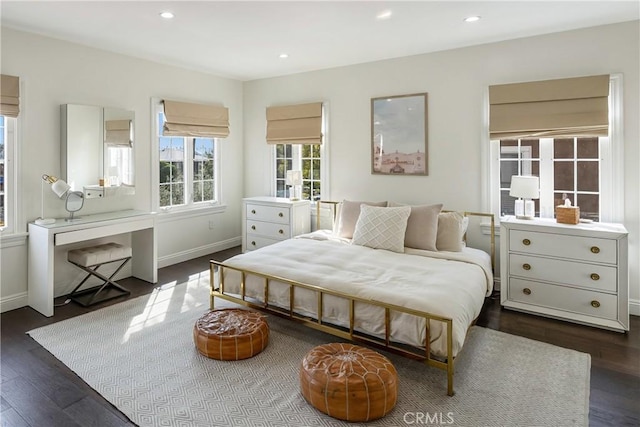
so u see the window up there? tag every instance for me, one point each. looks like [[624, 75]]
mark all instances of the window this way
[[584, 170], [7, 182], [187, 170], [304, 157]]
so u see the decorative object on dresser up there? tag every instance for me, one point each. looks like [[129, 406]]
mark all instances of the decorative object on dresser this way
[[294, 180], [577, 273], [527, 188], [267, 220]]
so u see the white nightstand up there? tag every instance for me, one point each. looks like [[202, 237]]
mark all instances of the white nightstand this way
[[267, 220], [571, 272]]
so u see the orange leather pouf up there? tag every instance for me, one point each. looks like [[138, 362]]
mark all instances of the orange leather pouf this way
[[349, 382], [231, 334]]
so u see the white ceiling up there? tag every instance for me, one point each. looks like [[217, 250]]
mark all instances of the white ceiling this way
[[243, 39]]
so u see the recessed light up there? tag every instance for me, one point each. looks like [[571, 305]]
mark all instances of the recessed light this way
[[166, 15], [284, 55], [385, 14], [471, 19]]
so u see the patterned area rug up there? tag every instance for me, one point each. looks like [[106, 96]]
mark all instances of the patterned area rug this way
[[140, 356]]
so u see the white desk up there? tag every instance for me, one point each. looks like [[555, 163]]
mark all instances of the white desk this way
[[44, 238]]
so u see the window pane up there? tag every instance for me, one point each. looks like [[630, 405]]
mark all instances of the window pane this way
[[197, 192], [280, 188], [589, 206], [508, 143], [306, 150], [178, 172], [563, 148], [317, 193], [316, 150], [165, 195], [280, 169], [288, 150], [306, 190], [177, 194], [507, 169], [165, 172], [306, 169], [563, 176], [588, 176], [279, 150], [507, 203], [559, 198], [588, 148], [530, 167], [530, 148], [316, 169], [208, 191]]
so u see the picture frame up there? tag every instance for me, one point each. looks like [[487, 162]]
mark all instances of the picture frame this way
[[399, 135]]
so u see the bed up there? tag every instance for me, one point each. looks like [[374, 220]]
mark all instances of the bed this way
[[416, 302]]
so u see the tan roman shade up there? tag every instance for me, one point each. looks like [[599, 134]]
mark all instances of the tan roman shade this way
[[186, 119], [295, 124], [565, 107], [9, 96], [117, 132]]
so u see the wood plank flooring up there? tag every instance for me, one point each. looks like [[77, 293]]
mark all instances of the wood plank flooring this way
[[37, 390]]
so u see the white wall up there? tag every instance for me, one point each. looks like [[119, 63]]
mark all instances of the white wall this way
[[457, 82], [54, 72]]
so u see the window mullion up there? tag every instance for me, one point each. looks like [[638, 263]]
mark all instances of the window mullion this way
[[546, 178], [188, 170]]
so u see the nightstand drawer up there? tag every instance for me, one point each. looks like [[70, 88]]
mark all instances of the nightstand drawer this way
[[269, 229], [256, 242], [267, 213], [564, 246], [592, 276], [564, 298]]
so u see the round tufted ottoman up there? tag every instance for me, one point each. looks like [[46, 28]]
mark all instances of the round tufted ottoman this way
[[231, 334], [349, 382]]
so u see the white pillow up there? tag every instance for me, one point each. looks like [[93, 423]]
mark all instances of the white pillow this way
[[451, 229], [381, 228]]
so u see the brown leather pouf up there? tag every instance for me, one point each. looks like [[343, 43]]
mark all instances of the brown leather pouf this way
[[349, 382], [231, 334]]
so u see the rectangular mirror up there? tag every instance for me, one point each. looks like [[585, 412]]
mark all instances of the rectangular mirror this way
[[97, 149]]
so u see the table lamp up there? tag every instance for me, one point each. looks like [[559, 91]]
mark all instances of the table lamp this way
[[294, 179], [59, 187], [527, 188]]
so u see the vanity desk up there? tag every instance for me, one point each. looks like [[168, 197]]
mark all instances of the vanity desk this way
[[45, 240]]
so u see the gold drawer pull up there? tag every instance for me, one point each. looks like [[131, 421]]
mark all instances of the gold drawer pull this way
[[253, 211], [595, 250], [595, 304], [280, 214], [526, 266], [281, 231], [253, 242], [526, 291], [526, 242], [253, 227], [595, 276]]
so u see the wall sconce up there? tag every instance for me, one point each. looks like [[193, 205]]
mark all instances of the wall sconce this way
[[527, 188], [294, 179], [59, 187]]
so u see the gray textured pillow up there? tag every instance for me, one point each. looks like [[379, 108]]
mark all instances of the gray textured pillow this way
[[381, 228], [451, 229], [349, 213], [422, 226]]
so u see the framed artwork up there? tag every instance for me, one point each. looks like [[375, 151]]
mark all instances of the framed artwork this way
[[399, 135]]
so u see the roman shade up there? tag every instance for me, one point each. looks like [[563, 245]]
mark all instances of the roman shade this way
[[186, 119], [117, 132], [295, 124], [9, 96], [564, 107]]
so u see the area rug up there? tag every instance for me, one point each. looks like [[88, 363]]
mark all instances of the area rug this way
[[140, 355]]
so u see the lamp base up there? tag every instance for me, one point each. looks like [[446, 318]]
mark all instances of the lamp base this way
[[45, 221]]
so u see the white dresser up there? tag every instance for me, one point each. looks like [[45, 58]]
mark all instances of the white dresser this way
[[571, 272], [267, 220]]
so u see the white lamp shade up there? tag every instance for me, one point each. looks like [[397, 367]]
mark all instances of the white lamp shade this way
[[526, 187], [60, 187], [294, 178]]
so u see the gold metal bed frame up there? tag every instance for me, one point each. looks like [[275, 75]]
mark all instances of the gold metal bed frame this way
[[349, 333]]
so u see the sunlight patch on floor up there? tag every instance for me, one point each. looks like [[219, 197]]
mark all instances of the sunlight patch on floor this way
[[154, 312]]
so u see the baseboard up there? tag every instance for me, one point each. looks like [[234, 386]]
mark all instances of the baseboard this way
[[12, 302], [178, 257], [634, 307], [496, 284]]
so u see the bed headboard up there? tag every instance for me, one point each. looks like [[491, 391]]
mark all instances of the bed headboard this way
[[333, 207]]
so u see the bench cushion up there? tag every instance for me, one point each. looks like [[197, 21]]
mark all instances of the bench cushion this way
[[99, 254]]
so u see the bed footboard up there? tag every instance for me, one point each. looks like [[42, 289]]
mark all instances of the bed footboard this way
[[350, 332]]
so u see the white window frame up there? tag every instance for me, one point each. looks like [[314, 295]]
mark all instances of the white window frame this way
[[611, 163], [189, 205], [297, 159], [11, 183]]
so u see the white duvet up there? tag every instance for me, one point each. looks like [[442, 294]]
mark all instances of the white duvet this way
[[448, 284]]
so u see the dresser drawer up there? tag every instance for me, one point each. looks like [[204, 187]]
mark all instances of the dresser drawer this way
[[593, 276], [256, 242], [269, 229], [267, 213], [572, 300], [564, 246]]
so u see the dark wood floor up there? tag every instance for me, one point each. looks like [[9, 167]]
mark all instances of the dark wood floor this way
[[37, 390]]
